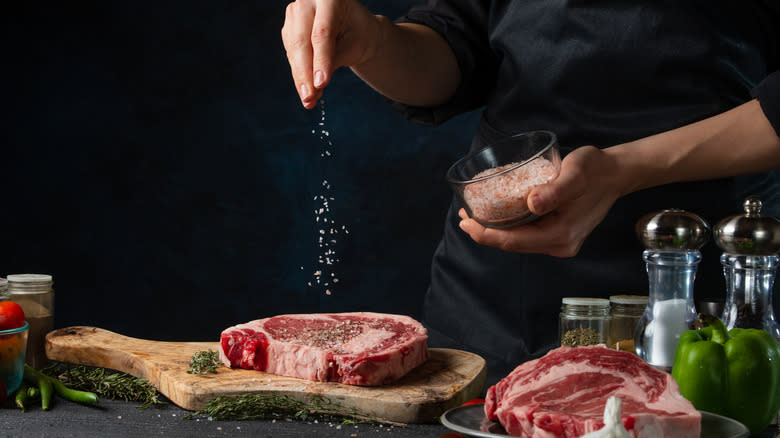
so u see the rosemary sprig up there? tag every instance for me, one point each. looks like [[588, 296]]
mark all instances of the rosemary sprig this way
[[108, 384], [268, 406], [204, 362]]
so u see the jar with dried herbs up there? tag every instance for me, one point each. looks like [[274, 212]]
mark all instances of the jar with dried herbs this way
[[584, 321]]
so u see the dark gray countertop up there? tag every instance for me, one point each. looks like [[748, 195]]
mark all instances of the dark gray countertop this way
[[114, 418], [121, 419]]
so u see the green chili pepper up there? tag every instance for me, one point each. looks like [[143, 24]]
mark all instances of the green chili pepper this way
[[734, 373], [34, 377], [44, 385], [74, 394], [33, 392], [22, 395]]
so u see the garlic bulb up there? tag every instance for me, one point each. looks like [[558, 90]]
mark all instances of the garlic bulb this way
[[613, 427]]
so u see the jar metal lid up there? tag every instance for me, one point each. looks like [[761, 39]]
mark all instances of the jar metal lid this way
[[629, 299], [673, 229], [22, 284], [29, 278], [578, 301], [751, 233]]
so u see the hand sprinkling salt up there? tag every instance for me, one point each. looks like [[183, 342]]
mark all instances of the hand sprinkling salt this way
[[613, 427]]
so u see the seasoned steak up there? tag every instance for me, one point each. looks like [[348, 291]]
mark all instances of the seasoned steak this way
[[563, 395], [360, 348]]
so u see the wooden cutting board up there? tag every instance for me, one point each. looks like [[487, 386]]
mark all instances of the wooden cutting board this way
[[449, 377]]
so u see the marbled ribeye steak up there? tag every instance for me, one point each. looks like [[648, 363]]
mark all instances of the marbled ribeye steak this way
[[562, 395], [359, 348]]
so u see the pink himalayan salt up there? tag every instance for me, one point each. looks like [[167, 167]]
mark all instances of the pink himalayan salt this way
[[505, 195]]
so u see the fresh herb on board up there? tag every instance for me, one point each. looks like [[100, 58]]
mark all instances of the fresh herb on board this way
[[274, 406], [204, 362], [108, 384]]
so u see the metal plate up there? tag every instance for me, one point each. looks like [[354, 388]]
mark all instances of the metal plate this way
[[471, 420]]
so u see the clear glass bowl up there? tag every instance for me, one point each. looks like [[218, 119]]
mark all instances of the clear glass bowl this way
[[493, 183], [13, 347]]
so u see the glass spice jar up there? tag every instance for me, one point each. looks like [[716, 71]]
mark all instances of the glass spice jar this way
[[35, 294], [626, 311], [3, 289], [584, 321]]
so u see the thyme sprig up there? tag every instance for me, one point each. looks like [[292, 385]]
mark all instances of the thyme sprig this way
[[108, 384], [271, 406], [204, 362]]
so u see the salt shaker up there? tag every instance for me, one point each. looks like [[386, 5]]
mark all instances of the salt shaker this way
[[672, 239], [750, 244]]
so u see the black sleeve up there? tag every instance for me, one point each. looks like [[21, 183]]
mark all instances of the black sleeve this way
[[768, 94], [463, 24], [768, 90]]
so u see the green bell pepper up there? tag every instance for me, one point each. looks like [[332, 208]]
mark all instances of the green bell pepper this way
[[734, 373]]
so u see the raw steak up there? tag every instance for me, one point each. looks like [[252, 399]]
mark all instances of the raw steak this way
[[362, 348], [563, 394]]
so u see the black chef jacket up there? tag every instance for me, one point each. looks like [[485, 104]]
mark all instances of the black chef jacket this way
[[598, 73]]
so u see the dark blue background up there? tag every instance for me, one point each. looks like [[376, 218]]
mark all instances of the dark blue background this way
[[157, 162]]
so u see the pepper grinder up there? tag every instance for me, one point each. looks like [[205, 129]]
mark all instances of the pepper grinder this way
[[751, 243], [672, 239]]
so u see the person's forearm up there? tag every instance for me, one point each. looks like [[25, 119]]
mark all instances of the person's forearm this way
[[739, 141], [412, 64]]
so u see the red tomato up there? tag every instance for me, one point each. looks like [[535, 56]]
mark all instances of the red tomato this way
[[11, 315], [3, 393], [474, 401]]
